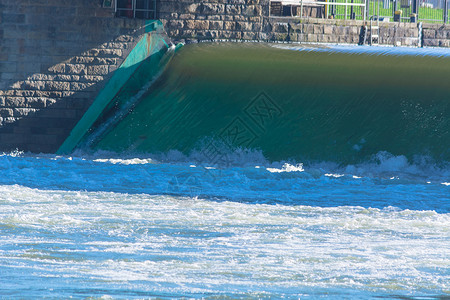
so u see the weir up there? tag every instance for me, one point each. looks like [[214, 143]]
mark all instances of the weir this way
[[57, 56], [341, 104]]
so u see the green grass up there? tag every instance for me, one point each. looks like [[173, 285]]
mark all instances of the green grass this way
[[435, 14], [426, 14]]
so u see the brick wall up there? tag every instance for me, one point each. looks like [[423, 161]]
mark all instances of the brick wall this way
[[55, 56]]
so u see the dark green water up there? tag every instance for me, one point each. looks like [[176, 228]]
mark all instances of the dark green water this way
[[302, 105]]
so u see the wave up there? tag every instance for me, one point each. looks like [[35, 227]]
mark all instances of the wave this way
[[383, 165]]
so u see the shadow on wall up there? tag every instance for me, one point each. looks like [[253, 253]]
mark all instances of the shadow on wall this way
[[54, 58]]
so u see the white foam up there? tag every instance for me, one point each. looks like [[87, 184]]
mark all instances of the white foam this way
[[131, 161], [287, 168], [334, 175], [183, 245]]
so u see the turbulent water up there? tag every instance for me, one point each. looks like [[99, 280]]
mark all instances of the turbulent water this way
[[364, 217]]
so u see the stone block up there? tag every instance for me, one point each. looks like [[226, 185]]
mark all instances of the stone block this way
[[430, 42], [317, 29], [297, 28], [189, 24], [57, 86], [244, 26], [280, 27], [186, 17], [6, 112], [15, 102], [308, 28], [227, 25], [216, 25], [192, 8], [80, 60], [252, 10], [59, 68], [212, 8], [175, 24], [36, 102], [353, 30], [77, 86], [22, 112], [429, 33], [24, 93], [97, 70], [214, 17], [441, 34], [328, 29], [249, 35], [232, 9], [33, 85], [444, 43]]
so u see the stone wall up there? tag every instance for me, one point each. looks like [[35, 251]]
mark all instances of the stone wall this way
[[55, 56], [213, 19], [338, 31], [436, 35], [313, 30], [191, 21]]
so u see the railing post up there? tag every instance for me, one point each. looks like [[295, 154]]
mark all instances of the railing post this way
[[301, 9], [366, 13], [445, 11], [416, 7], [345, 15]]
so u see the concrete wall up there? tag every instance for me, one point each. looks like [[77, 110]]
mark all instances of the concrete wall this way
[[55, 56]]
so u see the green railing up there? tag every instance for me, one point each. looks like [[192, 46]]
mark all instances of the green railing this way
[[430, 11]]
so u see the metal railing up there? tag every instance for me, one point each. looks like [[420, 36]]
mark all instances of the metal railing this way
[[141, 9], [431, 11], [347, 9]]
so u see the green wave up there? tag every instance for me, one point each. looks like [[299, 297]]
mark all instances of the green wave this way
[[302, 105]]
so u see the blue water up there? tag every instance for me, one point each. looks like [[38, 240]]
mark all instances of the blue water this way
[[132, 227]]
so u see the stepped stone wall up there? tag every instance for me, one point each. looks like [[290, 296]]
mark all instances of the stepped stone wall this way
[[55, 56]]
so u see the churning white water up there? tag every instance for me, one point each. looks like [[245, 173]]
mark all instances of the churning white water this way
[[138, 228]]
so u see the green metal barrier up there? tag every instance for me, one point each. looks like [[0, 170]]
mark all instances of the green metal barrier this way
[[151, 48]]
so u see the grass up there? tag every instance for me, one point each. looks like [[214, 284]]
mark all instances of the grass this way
[[426, 14]]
